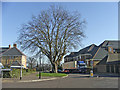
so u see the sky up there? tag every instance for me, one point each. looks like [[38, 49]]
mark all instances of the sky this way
[[101, 17]]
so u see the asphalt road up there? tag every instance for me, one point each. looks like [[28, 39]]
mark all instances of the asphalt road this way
[[72, 81]]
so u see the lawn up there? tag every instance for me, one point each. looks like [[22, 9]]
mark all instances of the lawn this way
[[53, 74], [15, 73]]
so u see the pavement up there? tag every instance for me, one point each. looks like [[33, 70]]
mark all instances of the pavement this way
[[107, 75], [28, 78], [72, 81], [33, 78]]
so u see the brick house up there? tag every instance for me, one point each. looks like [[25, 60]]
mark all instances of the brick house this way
[[11, 56], [95, 53], [90, 53], [110, 64]]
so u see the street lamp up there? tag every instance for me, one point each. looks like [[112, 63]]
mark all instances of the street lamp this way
[[0, 72], [40, 67], [91, 71], [21, 70]]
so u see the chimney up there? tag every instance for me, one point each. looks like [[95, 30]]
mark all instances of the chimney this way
[[110, 49], [9, 46], [15, 45]]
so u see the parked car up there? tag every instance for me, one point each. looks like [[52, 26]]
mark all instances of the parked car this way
[[83, 70], [66, 71], [59, 71]]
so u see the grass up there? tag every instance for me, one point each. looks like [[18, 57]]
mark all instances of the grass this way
[[53, 74], [15, 73]]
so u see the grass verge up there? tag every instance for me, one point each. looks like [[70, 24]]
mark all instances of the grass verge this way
[[15, 73], [53, 74]]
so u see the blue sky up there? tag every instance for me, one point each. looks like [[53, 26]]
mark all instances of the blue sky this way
[[101, 17]]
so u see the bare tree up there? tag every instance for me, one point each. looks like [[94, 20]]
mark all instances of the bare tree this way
[[54, 32], [32, 62]]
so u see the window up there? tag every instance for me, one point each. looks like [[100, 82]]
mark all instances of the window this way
[[110, 49], [114, 51]]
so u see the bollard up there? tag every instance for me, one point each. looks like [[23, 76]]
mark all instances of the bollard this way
[[39, 75], [91, 73], [20, 78]]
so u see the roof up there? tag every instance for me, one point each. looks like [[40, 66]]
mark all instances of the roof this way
[[100, 54], [88, 49], [114, 43], [11, 52], [103, 61], [114, 62], [3, 49], [91, 50], [110, 59], [113, 57], [97, 52]]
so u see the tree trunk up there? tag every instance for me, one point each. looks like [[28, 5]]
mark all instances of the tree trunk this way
[[54, 68]]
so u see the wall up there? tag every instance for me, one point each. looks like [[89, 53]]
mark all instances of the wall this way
[[9, 59], [101, 68], [24, 60], [70, 65], [108, 68]]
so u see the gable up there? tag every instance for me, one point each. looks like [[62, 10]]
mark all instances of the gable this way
[[12, 52], [100, 54]]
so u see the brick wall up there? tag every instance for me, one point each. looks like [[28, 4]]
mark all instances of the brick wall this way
[[101, 68]]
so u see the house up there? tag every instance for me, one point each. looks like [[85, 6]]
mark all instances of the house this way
[[112, 45], [109, 64], [90, 53], [10, 55], [94, 54]]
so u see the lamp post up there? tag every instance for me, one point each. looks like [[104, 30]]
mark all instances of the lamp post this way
[[21, 70], [91, 71], [21, 67], [0, 72], [40, 67]]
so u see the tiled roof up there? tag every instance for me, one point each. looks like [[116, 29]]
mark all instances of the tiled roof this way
[[113, 57], [12, 52], [3, 49], [103, 61], [100, 54], [97, 52], [114, 62], [110, 59], [114, 43], [92, 49]]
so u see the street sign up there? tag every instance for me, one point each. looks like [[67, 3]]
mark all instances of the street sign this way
[[80, 62]]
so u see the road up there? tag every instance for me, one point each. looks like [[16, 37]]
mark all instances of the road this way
[[72, 81]]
